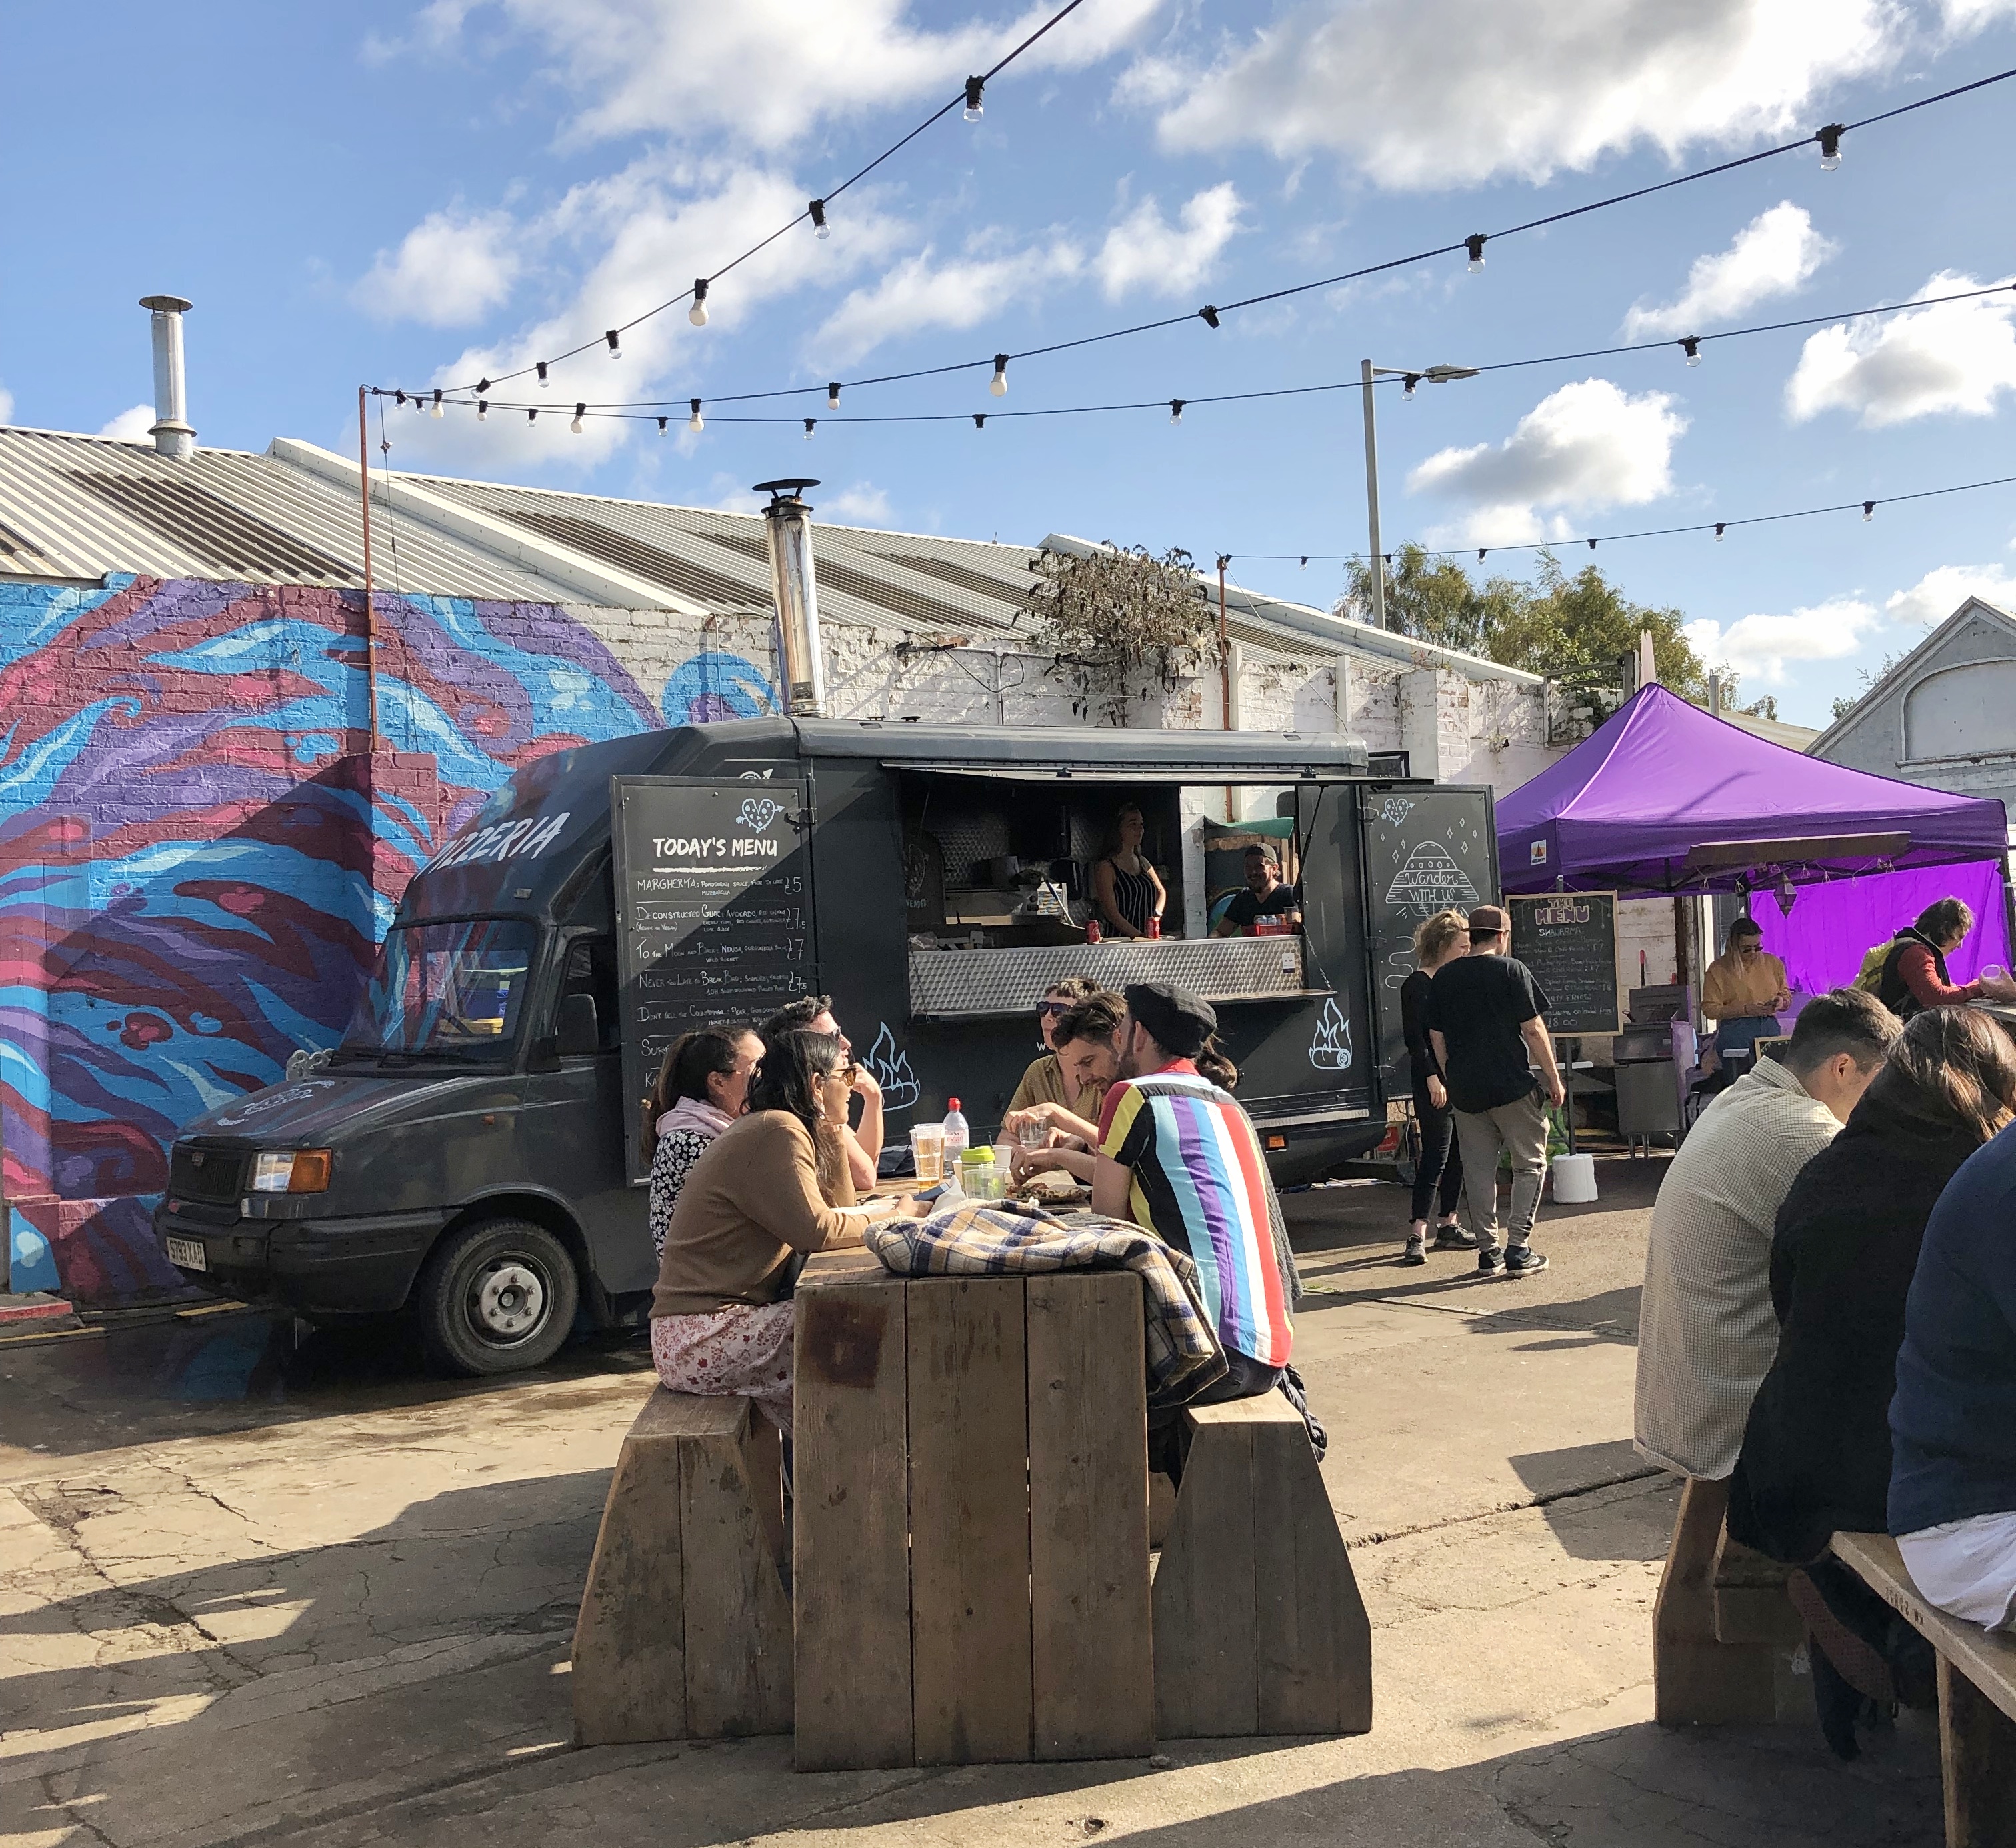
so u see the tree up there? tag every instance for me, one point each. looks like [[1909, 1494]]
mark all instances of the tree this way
[[1123, 619]]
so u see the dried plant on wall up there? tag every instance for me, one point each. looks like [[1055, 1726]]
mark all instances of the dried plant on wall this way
[[1122, 622]]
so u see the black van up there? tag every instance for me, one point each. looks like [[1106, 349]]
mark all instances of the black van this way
[[471, 1148]]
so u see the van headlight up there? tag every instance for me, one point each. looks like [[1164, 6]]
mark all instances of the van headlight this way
[[291, 1171]]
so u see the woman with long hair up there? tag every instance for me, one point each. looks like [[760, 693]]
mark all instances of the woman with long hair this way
[[771, 1188], [702, 1087], [1816, 1449], [1439, 1168], [1126, 887]]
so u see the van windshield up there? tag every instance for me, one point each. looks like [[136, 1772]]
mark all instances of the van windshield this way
[[445, 990]]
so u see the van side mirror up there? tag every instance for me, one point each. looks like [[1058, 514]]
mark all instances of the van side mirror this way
[[580, 1028]]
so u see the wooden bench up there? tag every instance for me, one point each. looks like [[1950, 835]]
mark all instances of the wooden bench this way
[[685, 1630], [971, 1524], [1976, 1697], [1258, 1626]]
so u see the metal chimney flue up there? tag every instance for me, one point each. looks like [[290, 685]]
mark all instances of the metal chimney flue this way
[[173, 436], [795, 589]]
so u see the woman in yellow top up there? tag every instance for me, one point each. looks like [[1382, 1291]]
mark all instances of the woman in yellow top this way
[[1744, 992]]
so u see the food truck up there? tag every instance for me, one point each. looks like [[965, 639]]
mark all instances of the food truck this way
[[473, 1149]]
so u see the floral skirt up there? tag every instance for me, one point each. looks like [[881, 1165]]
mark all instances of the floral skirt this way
[[744, 1350]]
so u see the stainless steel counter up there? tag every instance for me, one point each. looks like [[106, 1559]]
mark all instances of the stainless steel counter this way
[[974, 984]]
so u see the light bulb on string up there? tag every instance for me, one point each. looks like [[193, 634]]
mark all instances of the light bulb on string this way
[[1690, 345], [1480, 551], [1721, 526], [482, 387], [531, 416], [1209, 316], [811, 423], [1829, 140], [1305, 562], [1868, 511], [579, 411], [438, 411], [695, 423], [544, 381], [698, 313], [664, 423], [398, 398], [483, 410], [614, 338], [832, 396], [999, 384], [1474, 244], [974, 109], [820, 227], [1176, 409], [979, 419], [1408, 382]]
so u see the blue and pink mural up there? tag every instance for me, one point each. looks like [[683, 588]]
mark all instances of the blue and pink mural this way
[[199, 852]]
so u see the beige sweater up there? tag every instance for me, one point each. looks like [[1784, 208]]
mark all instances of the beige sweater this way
[[749, 1202]]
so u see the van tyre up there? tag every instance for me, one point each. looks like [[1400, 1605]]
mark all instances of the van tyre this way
[[496, 1297]]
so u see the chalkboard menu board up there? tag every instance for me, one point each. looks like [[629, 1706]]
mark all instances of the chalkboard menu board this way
[[1569, 940], [713, 913]]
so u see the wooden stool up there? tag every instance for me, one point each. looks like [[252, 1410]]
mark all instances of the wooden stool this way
[[685, 1627], [1259, 1628]]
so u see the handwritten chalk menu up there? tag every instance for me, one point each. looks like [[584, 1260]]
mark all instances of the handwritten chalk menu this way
[[1569, 940], [713, 913]]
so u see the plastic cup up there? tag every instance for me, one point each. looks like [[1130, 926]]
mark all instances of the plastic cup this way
[[928, 1148], [1035, 1134], [1995, 972]]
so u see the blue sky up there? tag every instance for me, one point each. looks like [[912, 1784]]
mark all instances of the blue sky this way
[[415, 195]]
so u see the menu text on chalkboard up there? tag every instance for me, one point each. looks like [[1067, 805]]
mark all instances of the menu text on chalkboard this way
[[1569, 940], [713, 914]]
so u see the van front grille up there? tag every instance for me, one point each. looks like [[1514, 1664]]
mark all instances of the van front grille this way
[[195, 1172]]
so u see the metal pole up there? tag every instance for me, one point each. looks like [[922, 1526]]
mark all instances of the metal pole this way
[[1372, 498], [1224, 671], [370, 620]]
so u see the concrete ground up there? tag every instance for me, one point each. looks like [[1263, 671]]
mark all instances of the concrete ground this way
[[251, 1592]]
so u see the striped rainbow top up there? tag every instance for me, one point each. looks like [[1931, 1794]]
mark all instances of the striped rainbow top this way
[[1200, 1184]]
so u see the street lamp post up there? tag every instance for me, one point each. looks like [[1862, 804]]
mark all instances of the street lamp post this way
[[1435, 375]]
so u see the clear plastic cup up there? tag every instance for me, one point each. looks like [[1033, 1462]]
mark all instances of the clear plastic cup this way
[[1995, 972], [928, 1148]]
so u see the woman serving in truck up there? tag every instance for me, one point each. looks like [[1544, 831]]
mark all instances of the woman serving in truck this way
[[1125, 886]]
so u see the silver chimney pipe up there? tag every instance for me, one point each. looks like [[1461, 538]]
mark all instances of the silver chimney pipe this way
[[173, 436], [795, 590]]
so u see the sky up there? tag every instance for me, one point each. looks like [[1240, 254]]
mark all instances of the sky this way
[[419, 195]]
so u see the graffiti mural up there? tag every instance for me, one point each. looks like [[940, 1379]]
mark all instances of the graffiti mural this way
[[198, 853], [714, 685]]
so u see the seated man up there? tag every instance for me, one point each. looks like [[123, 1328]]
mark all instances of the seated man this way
[[863, 1141], [1266, 895], [1706, 1331], [1088, 1054], [1745, 990]]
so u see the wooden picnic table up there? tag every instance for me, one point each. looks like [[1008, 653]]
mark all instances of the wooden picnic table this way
[[970, 1540]]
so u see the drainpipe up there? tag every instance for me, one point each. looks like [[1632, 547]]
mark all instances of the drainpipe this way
[[795, 588], [173, 436], [1225, 673], [370, 614]]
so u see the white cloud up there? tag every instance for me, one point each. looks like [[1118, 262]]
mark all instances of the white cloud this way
[[130, 426], [1586, 445], [1772, 255], [1145, 250], [6, 405], [769, 71], [1964, 16], [450, 269], [1940, 593], [920, 293], [1959, 357], [1761, 647], [1435, 93], [863, 504]]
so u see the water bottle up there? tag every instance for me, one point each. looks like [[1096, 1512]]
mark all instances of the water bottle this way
[[958, 1137]]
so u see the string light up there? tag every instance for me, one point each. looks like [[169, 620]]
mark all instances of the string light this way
[[695, 423], [614, 338], [820, 227], [1408, 383], [483, 410], [1868, 511], [580, 412], [998, 385], [1480, 551], [544, 380], [811, 424], [698, 313], [482, 386], [1474, 243], [1690, 345], [1721, 528], [438, 411], [531, 416], [974, 109], [1209, 316], [1176, 410], [1829, 140], [832, 396], [1305, 561], [399, 398], [664, 424], [979, 419]]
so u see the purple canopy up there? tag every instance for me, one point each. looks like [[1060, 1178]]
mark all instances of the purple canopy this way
[[1664, 798]]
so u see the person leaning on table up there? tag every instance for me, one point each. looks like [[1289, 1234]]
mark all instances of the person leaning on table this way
[[1485, 1016], [772, 1187], [1745, 990], [1087, 1037], [1914, 971]]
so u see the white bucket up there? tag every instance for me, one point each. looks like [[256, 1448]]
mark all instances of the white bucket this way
[[1575, 1179]]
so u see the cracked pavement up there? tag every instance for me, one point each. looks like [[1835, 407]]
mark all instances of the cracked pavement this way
[[253, 1591]]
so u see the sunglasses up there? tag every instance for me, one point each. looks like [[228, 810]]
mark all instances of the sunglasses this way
[[1053, 1008]]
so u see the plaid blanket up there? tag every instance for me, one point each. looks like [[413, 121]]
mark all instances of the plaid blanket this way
[[977, 1240]]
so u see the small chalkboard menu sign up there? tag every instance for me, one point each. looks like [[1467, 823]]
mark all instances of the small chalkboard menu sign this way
[[713, 914], [1569, 940]]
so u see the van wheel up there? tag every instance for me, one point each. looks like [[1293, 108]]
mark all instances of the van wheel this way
[[496, 1297]]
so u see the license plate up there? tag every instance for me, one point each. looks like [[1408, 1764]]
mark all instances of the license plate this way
[[190, 1253]]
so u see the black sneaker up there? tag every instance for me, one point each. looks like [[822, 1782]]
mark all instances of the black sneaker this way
[[1416, 1253], [1522, 1260], [1455, 1238], [1490, 1264]]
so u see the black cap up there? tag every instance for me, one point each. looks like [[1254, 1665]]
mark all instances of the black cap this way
[[1178, 1020]]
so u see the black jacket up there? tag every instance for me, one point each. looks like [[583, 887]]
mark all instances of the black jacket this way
[[1891, 989], [1816, 1449]]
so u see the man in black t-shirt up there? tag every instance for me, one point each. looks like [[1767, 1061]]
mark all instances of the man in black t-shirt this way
[[1264, 895], [1484, 1016]]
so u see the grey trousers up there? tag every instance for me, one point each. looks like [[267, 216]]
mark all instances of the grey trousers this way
[[1522, 1128]]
